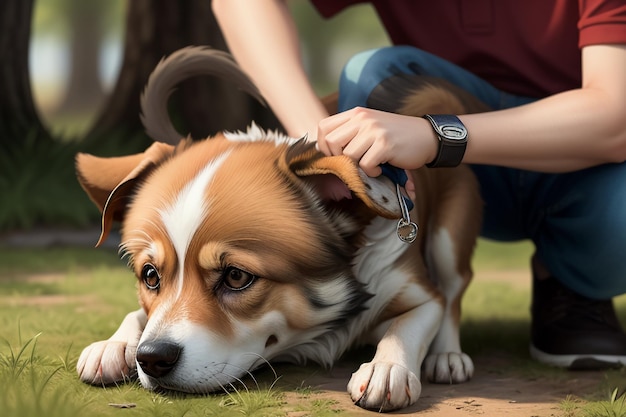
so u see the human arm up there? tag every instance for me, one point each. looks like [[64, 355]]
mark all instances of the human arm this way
[[569, 131], [263, 37]]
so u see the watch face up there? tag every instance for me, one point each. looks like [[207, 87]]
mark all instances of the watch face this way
[[452, 140], [453, 132]]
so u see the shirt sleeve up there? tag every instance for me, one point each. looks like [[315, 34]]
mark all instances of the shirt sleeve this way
[[602, 22]]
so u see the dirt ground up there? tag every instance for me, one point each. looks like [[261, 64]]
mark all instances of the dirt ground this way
[[487, 394], [490, 393]]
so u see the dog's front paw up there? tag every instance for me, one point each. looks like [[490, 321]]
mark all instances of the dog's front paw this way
[[448, 367], [106, 362], [384, 386]]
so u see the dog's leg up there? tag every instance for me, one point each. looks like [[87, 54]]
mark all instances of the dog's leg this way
[[112, 360], [456, 224], [391, 380], [446, 363]]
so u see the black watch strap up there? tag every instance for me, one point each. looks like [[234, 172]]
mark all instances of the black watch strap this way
[[452, 137]]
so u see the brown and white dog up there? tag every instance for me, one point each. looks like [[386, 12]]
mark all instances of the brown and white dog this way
[[255, 247]]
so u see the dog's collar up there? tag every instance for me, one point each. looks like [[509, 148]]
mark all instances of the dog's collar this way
[[406, 229], [398, 177]]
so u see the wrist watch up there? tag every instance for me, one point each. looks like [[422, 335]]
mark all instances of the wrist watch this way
[[452, 136]]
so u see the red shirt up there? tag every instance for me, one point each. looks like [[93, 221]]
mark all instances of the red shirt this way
[[525, 47]]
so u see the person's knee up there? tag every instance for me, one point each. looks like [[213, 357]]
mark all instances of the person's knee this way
[[591, 264], [375, 65], [366, 70]]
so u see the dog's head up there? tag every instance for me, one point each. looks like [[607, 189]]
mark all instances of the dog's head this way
[[242, 247]]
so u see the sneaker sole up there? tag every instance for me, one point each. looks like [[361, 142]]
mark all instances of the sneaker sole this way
[[578, 362]]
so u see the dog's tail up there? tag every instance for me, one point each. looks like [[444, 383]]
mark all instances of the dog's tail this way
[[183, 64]]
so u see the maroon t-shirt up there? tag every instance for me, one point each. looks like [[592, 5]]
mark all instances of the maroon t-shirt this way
[[525, 47]]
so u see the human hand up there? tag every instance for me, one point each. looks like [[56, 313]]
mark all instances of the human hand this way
[[373, 137]]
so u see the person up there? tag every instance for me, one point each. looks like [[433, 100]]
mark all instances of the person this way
[[549, 156]]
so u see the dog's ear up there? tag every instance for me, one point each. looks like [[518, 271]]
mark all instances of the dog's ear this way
[[109, 182], [338, 177]]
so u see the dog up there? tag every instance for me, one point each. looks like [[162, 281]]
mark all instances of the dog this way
[[253, 247]]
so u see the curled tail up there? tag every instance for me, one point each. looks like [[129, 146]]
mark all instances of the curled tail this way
[[183, 64]]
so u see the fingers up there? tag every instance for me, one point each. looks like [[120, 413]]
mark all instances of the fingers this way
[[347, 134], [373, 137], [369, 156], [334, 133]]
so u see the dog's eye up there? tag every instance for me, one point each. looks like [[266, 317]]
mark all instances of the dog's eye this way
[[236, 279], [151, 277]]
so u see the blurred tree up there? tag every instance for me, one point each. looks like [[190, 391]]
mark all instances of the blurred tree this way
[[37, 180], [18, 114], [85, 24], [201, 107], [81, 34], [35, 170], [327, 44]]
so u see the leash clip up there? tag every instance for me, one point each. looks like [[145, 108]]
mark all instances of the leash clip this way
[[406, 229]]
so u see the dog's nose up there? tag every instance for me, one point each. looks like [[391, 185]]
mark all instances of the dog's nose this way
[[156, 358]]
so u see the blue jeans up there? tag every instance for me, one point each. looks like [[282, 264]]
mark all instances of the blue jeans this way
[[576, 220]]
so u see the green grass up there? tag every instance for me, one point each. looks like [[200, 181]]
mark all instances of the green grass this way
[[499, 256], [612, 406], [53, 302]]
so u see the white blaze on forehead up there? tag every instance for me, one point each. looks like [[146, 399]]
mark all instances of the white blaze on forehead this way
[[254, 134], [185, 215]]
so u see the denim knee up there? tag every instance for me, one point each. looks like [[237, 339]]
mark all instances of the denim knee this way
[[366, 70], [355, 84], [582, 236]]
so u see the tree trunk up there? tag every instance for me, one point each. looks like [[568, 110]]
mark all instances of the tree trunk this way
[[201, 107], [84, 92], [37, 181], [18, 114]]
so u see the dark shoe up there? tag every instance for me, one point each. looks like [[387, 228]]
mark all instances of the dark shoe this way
[[572, 331]]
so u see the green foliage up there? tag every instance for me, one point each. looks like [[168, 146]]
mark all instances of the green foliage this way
[[16, 361], [38, 181], [614, 407], [495, 256], [570, 406], [326, 408], [37, 184], [344, 35], [258, 402], [50, 17], [29, 384]]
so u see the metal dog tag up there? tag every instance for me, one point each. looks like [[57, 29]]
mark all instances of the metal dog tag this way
[[406, 229], [407, 232]]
